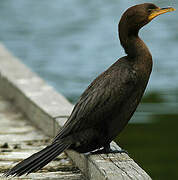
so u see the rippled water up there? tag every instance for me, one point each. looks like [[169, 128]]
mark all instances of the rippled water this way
[[70, 42]]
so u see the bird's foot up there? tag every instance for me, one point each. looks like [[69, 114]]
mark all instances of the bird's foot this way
[[109, 150]]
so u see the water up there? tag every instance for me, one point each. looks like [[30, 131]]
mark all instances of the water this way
[[69, 43]]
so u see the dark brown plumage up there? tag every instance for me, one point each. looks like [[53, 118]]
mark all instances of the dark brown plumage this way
[[106, 106]]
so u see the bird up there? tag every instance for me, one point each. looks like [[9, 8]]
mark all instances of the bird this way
[[108, 103]]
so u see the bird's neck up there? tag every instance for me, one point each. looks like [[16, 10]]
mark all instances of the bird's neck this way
[[132, 43]]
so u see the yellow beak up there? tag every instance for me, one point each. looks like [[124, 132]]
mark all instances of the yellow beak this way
[[159, 11]]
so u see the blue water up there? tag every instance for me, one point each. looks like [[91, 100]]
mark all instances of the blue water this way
[[69, 43]]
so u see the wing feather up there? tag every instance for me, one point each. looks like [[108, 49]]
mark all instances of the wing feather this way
[[98, 100]]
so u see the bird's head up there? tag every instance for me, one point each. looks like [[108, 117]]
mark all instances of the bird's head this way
[[139, 15]]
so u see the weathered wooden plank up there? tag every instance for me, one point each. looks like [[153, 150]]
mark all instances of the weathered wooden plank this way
[[46, 108], [47, 176], [108, 166], [18, 145], [39, 101]]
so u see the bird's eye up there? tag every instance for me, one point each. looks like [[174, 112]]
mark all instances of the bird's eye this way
[[149, 10], [151, 7]]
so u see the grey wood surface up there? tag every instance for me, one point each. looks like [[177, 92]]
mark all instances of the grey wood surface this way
[[48, 110], [19, 139]]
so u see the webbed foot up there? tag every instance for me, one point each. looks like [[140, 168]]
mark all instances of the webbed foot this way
[[108, 149]]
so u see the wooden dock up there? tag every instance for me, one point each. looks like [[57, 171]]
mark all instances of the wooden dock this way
[[32, 111], [19, 139]]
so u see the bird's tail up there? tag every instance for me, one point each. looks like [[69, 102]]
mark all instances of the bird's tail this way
[[38, 160]]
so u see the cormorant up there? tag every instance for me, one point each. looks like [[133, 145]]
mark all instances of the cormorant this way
[[106, 106]]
